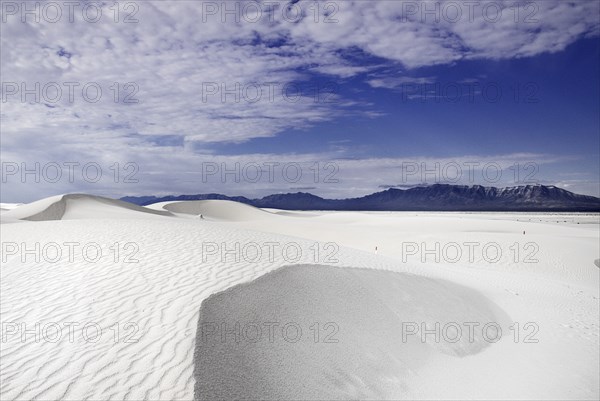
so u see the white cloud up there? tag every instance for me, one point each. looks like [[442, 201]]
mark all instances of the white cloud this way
[[395, 82], [175, 53], [333, 173]]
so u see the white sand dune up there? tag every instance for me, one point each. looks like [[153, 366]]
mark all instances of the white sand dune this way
[[9, 206], [77, 206], [565, 249], [223, 210], [351, 349], [146, 301]]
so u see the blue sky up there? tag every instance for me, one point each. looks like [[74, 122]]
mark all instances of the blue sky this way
[[387, 77], [549, 104]]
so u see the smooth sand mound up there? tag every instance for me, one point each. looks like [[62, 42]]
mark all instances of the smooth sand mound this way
[[218, 210], [322, 332], [9, 206], [78, 206]]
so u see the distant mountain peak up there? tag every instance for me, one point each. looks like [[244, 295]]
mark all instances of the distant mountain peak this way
[[436, 197]]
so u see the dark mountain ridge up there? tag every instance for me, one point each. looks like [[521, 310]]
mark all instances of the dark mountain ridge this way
[[438, 197]]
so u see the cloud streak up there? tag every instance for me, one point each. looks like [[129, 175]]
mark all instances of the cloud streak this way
[[192, 73]]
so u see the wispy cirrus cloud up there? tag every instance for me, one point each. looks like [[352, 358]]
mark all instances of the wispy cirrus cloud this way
[[191, 73], [335, 173]]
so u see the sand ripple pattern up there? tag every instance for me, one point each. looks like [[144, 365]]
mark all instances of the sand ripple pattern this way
[[147, 311]]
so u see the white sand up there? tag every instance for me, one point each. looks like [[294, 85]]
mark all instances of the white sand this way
[[162, 294], [357, 351], [222, 210], [77, 206], [4, 207]]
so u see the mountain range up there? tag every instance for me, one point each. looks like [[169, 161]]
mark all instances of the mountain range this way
[[437, 197]]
